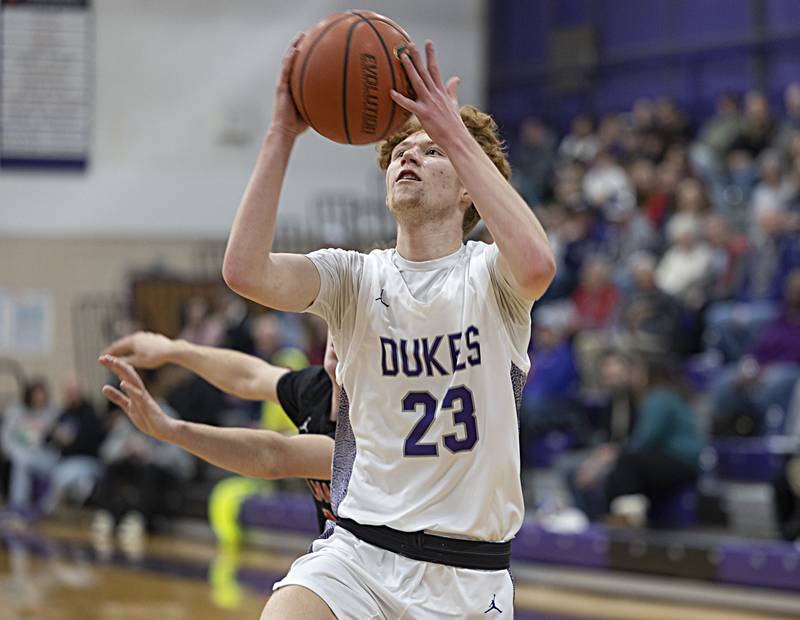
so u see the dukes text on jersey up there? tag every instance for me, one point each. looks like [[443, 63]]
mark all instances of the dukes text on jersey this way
[[430, 356]]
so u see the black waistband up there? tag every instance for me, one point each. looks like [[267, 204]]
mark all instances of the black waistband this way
[[473, 554]]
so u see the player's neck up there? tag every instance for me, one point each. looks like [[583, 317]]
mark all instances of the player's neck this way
[[427, 240]]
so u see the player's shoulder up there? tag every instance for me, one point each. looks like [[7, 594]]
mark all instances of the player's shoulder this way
[[379, 258], [480, 251], [381, 254], [339, 253], [311, 377]]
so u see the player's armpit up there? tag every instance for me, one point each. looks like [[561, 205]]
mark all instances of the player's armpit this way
[[301, 456], [290, 282]]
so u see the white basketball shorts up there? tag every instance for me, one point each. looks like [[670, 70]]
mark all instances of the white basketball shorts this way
[[359, 581]]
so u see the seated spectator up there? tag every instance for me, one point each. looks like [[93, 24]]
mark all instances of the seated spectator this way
[[24, 434], [691, 197], [552, 383], [727, 248], [611, 133], [663, 453], [793, 189], [731, 197], [582, 235], [605, 181], [580, 144], [685, 268], [535, 160], [612, 427], [758, 125], [763, 269], [76, 437], [649, 317], [142, 478], [627, 231], [669, 123], [649, 200], [766, 376], [715, 139], [772, 190], [791, 122], [596, 297], [720, 131]]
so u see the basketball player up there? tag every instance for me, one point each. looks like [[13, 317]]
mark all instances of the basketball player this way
[[309, 397], [432, 339]]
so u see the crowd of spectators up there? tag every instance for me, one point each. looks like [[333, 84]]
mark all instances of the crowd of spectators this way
[[678, 250], [78, 454], [677, 240]]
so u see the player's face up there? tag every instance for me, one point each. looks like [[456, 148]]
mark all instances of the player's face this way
[[420, 180]]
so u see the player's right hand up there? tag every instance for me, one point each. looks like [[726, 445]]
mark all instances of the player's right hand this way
[[136, 401], [285, 117], [142, 349]]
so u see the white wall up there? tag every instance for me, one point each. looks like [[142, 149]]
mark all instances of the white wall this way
[[172, 76]]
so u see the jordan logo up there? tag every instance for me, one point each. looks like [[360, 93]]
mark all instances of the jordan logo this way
[[380, 299], [493, 606]]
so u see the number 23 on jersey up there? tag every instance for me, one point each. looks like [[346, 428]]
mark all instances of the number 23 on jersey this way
[[459, 403]]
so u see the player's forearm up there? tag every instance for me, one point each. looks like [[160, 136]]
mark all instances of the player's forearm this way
[[244, 451], [241, 375], [246, 261], [519, 235]]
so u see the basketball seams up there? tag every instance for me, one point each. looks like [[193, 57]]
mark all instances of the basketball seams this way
[[391, 68], [322, 96], [344, 79], [395, 27], [306, 60]]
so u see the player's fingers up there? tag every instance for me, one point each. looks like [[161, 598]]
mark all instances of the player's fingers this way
[[419, 65], [404, 102], [122, 369], [297, 38], [413, 76], [452, 88], [133, 392], [117, 397], [433, 65], [288, 58]]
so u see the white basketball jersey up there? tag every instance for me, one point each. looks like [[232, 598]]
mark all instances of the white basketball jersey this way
[[433, 382]]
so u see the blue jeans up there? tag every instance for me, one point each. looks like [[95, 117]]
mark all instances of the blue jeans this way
[[75, 476], [26, 466]]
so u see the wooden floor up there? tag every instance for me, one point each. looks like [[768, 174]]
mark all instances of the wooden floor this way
[[52, 572]]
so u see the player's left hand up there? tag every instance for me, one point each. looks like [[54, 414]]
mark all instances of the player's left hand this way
[[136, 401], [142, 349], [436, 105]]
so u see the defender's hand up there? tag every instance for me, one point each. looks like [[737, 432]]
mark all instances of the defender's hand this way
[[142, 349], [136, 401]]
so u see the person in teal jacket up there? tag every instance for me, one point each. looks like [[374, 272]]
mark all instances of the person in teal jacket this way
[[663, 453]]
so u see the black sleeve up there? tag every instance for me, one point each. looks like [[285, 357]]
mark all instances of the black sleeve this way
[[301, 392]]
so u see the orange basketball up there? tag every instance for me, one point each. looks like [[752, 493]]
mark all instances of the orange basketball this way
[[342, 75]]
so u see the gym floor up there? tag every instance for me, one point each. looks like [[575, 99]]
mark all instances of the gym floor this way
[[53, 571]]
